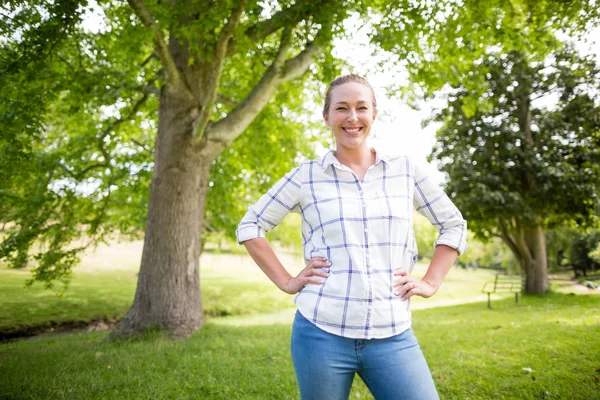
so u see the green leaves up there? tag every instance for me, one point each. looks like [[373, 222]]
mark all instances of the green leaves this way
[[74, 158], [500, 167], [447, 44], [273, 144], [78, 116]]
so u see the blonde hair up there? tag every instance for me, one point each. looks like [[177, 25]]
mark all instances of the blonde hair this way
[[340, 80]]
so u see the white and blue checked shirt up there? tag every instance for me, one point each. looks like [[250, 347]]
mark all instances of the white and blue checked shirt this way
[[365, 229]]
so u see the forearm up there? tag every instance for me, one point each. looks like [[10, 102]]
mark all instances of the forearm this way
[[263, 255], [441, 262]]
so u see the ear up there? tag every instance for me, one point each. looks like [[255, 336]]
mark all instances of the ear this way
[[326, 118]]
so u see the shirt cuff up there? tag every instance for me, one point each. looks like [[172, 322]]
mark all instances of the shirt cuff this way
[[249, 231], [455, 243]]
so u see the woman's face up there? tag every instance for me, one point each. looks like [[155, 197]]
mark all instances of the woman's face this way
[[350, 115]]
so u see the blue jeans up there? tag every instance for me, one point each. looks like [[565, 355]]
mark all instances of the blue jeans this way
[[325, 364]]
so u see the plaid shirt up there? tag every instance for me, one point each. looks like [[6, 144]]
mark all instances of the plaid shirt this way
[[365, 229]]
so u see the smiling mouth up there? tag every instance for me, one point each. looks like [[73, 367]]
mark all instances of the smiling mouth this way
[[352, 130]]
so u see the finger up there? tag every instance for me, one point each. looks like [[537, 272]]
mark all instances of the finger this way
[[415, 290], [400, 272], [308, 272], [311, 279], [318, 272], [325, 268], [401, 281], [407, 287], [315, 263], [315, 271], [408, 295]]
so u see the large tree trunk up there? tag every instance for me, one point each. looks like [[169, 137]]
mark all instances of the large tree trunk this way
[[536, 269], [168, 289], [528, 245]]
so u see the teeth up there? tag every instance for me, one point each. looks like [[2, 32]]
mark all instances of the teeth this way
[[352, 130]]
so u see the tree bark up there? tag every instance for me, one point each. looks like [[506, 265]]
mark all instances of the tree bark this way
[[536, 271], [528, 245], [168, 289]]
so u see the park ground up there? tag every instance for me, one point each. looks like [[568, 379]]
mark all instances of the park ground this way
[[544, 347]]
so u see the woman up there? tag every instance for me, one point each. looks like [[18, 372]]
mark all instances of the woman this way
[[357, 210]]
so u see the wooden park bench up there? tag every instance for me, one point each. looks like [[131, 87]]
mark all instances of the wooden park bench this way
[[503, 284]]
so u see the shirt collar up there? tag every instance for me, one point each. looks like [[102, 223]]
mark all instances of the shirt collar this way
[[329, 159]]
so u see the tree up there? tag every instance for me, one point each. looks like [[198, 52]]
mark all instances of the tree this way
[[500, 152], [517, 169], [211, 70], [581, 253]]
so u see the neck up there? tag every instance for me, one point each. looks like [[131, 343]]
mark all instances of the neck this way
[[362, 156]]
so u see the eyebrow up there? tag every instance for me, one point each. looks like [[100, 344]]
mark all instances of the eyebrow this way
[[345, 102]]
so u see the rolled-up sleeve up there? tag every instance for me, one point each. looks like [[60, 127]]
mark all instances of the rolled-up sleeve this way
[[272, 207], [431, 201]]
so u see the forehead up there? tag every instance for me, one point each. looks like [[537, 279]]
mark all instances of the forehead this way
[[351, 92]]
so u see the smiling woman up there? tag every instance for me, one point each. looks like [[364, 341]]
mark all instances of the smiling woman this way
[[350, 112], [359, 245]]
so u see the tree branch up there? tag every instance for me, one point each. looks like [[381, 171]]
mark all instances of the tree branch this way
[[216, 69], [230, 127], [142, 145], [136, 107], [298, 65], [226, 101], [521, 244], [505, 235], [166, 58], [288, 17], [147, 60]]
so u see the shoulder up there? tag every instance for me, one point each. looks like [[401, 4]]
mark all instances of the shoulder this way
[[395, 159], [304, 169], [321, 162]]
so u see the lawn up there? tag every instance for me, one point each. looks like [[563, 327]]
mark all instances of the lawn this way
[[103, 286], [545, 347]]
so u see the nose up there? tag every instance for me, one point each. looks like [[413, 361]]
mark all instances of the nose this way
[[352, 115]]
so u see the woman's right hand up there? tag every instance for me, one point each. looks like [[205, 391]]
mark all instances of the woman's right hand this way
[[308, 275]]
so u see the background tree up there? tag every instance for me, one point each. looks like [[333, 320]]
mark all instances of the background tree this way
[[515, 174], [581, 253], [487, 58]]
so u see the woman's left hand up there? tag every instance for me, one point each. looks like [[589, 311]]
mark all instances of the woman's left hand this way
[[407, 286]]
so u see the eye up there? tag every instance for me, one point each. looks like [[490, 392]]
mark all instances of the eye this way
[[363, 108], [341, 108]]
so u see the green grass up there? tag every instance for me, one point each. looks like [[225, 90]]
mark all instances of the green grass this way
[[104, 285], [478, 353], [474, 353], [108, 296], [90, 296], [546, 347]]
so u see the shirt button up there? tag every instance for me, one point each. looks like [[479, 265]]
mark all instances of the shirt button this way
[[366, 230]]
